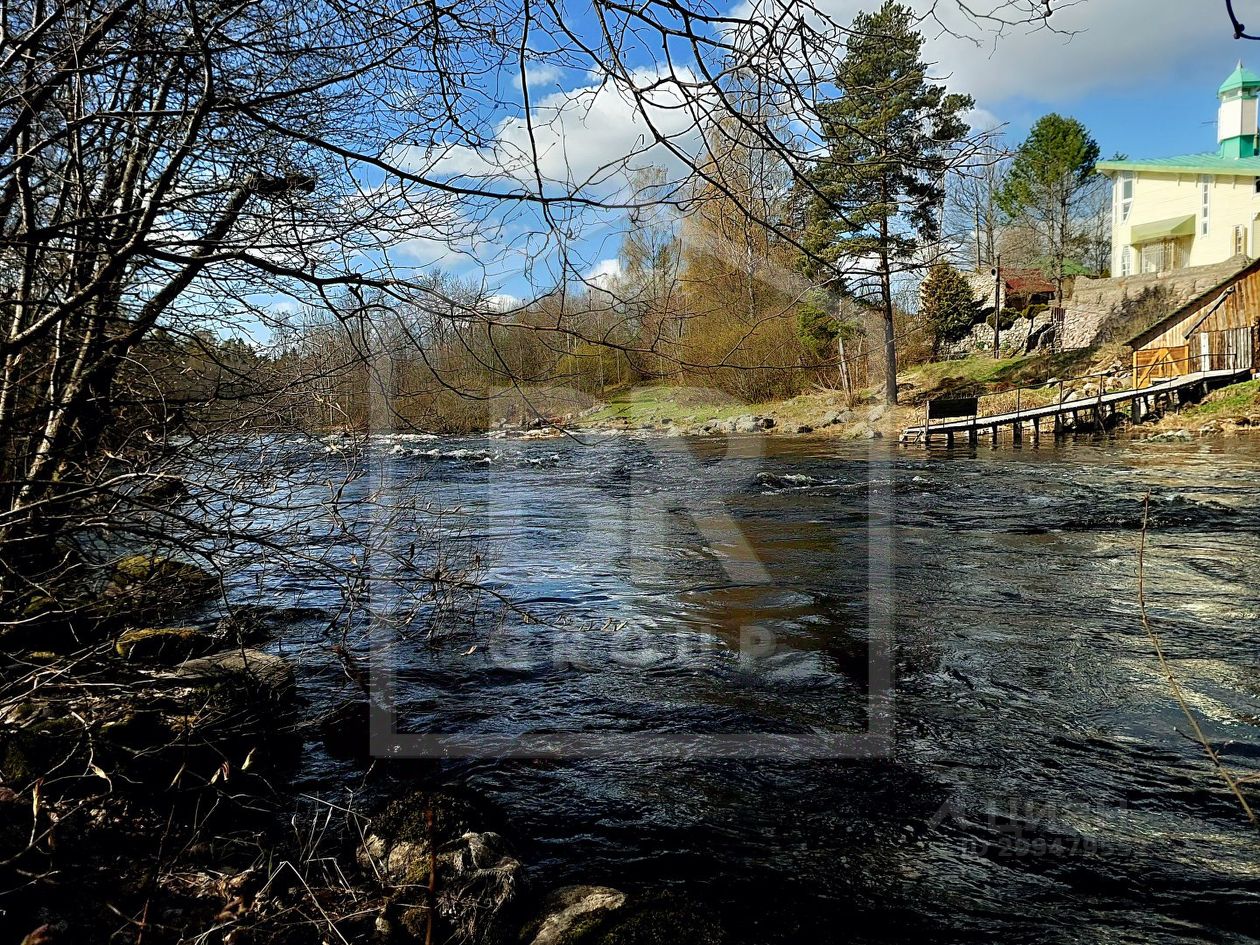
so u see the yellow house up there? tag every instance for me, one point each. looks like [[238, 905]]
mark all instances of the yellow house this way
[[1197, 209]]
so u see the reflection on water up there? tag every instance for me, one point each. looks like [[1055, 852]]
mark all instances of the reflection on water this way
[[1037, 788]]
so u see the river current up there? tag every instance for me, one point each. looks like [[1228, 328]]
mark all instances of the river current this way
[[841, 693]]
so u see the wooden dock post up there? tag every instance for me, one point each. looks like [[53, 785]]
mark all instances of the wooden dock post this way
[[994, 434], [1036, 424], [1017, 432], [973, 435], [949, 439]]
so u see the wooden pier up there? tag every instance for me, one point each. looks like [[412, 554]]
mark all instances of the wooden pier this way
[[1083, 412]]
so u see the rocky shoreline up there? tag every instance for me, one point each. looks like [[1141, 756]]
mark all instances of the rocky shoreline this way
[[134, 728]]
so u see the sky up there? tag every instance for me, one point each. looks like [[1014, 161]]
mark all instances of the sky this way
[[1140, 74]]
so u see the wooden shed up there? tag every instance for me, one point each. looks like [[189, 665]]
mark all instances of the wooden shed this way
[[1216, 331]]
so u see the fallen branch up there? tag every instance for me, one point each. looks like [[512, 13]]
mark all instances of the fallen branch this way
[[1173, 684]]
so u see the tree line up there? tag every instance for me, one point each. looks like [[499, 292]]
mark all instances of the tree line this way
[[170, 167]]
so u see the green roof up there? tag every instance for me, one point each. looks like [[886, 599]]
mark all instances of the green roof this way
[[1209, 162], [1240, 78]]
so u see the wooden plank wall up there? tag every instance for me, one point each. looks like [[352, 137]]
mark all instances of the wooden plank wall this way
[[1158, 364], [1240, 310], [1228, 349]]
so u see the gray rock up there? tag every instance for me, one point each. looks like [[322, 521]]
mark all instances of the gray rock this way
[[1170, 436], [241, 666], [804, 428], [836, 417], [477, 878], [569, 913]]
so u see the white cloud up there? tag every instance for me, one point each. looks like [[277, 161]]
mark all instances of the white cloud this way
[[542, 74], [1098, 45], [605, 273], [981, 119], [1093, 45], [583, 137]]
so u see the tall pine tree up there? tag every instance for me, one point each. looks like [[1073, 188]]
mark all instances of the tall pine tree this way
[[873, 201]]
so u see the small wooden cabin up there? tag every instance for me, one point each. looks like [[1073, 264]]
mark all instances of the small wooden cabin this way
[[1216, 331]]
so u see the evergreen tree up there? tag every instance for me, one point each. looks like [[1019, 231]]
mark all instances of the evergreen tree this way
[[1051, 172], [948, 307], [874, 200]]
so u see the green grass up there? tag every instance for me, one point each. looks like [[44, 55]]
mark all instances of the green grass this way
[[654, 403], [981, 374], [1235, 400]]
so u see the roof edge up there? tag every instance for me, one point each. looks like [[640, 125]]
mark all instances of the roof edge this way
[[1190, 166], [1157, 328]]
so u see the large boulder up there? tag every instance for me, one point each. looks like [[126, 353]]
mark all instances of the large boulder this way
[[165, 646], [570, 914], [155, 584], [154, 569], [249, 670], [750, 423], [600, 915]]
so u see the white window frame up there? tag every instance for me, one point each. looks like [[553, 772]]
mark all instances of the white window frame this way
[[1205, 204], [1126, 199], [1126, 260]]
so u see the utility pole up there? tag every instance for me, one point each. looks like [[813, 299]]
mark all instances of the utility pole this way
[[979, 260], [997, 307]]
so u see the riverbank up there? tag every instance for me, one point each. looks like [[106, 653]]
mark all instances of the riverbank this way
[[142, 716], [675, 411]]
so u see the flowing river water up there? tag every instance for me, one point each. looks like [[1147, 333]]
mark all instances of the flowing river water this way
[[707, 620]]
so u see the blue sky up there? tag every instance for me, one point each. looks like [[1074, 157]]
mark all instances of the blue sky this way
[[1141, 74], [1164, 109]]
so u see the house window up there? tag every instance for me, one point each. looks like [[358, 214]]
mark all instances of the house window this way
[[1257, 185], [1126, 195], [1205, 202], [1240, 241], [1126, 261]]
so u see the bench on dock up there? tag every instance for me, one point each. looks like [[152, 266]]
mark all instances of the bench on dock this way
[[948, 408]]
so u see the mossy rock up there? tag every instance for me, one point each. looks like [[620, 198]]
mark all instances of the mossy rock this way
[[571, 915], [664, 921], [38, 605], [164, 646], [159, 573], [600, 915]]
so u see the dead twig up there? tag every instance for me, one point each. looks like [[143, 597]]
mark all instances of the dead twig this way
[[1173, 684]]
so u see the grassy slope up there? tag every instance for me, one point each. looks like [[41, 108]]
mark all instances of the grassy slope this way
[[1236, 400], [650, 404]]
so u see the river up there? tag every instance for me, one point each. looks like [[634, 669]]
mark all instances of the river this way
[[703, 624]]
